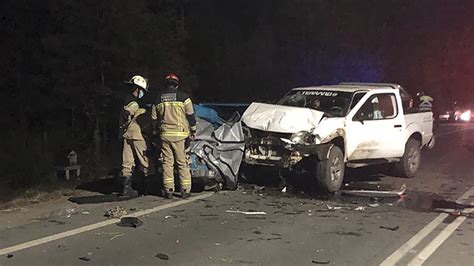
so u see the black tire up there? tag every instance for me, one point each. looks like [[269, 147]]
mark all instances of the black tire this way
[[247, 173], [330, 172], [411, 160]]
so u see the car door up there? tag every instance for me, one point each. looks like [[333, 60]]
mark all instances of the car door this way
[[376, 130]]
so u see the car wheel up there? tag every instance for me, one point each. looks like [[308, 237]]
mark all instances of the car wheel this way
[[330, 172], [247, 173], [410, 162]]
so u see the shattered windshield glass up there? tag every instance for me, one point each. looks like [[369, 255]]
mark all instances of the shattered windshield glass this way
[[334, 103]]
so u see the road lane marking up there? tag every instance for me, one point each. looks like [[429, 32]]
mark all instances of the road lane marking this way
[[90, 227], [437, 241], [415, 240], [418, 237]]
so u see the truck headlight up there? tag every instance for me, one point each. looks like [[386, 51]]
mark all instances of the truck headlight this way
[[466, 116], [303, 137]]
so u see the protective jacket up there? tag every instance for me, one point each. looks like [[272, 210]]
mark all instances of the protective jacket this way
[[173, 115], [129, 119]]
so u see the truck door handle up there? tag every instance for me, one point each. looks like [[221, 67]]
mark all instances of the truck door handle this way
[[397, 126]]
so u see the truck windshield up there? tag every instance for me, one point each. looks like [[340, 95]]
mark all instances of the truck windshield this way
[[334, 103]]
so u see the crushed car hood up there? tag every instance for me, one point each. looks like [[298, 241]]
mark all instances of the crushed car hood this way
[[281, 119]]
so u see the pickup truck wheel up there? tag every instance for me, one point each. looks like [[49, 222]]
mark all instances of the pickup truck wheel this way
[[331, 171], [410, 162]]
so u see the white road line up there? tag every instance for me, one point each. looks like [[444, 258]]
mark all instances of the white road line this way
[[437, 241], [418, 237], [415, 240], [90, 227]]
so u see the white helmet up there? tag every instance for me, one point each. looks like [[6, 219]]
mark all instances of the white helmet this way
[[139, 81]]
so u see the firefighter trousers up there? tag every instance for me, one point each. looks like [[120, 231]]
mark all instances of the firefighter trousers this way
[[136, 150], [175, 152]]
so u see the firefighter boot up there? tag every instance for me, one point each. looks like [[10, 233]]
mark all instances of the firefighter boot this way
[[167, 193], [185, 194], [128, 191]]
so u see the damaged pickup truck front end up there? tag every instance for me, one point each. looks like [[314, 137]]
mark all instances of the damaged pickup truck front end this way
[[353, 124], [282, 136]]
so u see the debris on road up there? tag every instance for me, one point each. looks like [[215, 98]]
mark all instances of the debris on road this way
[[115, 212], [162, 256], [170, 216], [115, 236], [108, 233], [247, 212], [395, 228], [10, 256], [320, 262], [332, 207], [85, 213], [130, 222], [84, 258], [256, 217], [373, 205], [283, 190], [68, 212], [360, 208], [376, 193]]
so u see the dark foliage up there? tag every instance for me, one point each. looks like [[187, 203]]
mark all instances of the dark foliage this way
[[63, 61]]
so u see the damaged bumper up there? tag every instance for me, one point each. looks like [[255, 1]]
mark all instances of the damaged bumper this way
[[278, 150]]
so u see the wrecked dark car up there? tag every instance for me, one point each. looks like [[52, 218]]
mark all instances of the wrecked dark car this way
[[216, 153]]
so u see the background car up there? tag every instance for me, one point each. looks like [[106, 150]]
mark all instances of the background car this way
[[457, 114]]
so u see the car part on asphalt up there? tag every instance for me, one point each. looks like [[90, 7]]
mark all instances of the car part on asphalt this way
[[376, 193], [130, 222], [115, 212], [395, 228], [162, 256], [247, 212]]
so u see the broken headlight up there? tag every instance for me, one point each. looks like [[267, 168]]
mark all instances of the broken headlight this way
[[303, 137]]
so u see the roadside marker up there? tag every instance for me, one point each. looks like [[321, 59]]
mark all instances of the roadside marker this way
[[90, 227]]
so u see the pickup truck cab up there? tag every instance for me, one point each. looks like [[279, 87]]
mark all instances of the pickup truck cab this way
[[326, 128]]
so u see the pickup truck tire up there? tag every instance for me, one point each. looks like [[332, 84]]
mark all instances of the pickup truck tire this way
[[410, 162], [330, 172]]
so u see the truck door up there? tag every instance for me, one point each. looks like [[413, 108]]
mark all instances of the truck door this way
[[376, 130]]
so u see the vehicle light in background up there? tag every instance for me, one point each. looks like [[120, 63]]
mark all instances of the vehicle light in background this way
[[466, 116]]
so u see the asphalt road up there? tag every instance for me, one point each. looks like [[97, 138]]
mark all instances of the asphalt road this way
[[294, 229]]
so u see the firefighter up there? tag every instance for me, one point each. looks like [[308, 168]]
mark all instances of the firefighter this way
[[134, 145], [174, 121], [426, 102]]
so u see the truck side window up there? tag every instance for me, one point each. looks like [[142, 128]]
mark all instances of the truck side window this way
[[380, 106]]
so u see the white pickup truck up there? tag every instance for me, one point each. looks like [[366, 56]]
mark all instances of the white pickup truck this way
[[323, 129]]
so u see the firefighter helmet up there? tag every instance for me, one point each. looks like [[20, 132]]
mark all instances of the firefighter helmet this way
[[172, 78], [138, 81]]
